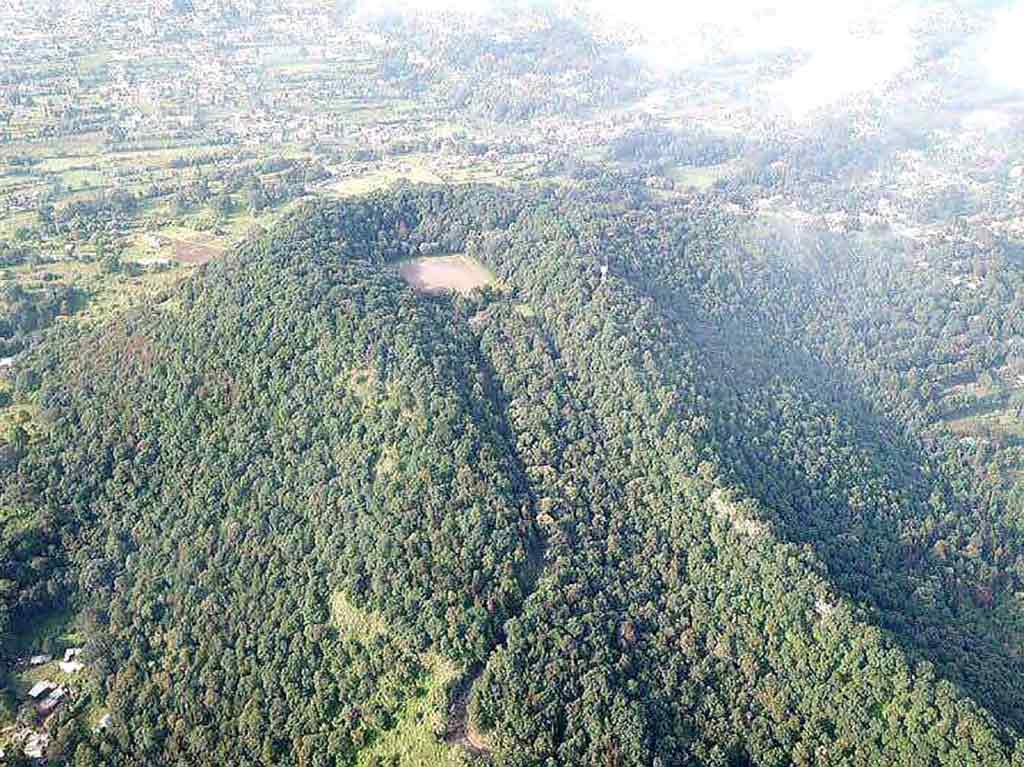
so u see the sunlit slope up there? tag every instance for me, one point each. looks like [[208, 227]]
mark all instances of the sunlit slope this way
[[302, 424], [559, 501]]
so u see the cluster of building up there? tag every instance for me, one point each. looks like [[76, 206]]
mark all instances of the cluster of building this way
[[159, 73], [46, 697]]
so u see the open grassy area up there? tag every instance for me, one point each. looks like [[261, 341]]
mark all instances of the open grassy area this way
[[384, 178], [417, 737], [83, 179], [415, 741], [356, 622], [23, 414], [58, 164], [991, 413], [11, 223], [426, 169], [108, 293], [700, 177], [1000, 424], [93, 62]]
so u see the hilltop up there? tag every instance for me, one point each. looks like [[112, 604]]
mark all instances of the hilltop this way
[[646, 495]]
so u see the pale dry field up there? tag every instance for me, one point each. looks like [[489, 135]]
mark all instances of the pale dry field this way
[[439, 273]]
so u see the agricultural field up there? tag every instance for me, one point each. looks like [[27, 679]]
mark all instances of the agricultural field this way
[[702, 178], [990, 411]]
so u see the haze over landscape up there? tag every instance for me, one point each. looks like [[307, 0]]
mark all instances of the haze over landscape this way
[[513, 383]]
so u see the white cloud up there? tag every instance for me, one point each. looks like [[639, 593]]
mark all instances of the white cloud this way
[[849, 47], [843, 63], [846, 47], [1002, 50]]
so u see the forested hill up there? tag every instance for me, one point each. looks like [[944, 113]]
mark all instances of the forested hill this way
[[671, 491]]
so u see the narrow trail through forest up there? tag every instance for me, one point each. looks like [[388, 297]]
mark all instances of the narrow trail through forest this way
[[460, 731]]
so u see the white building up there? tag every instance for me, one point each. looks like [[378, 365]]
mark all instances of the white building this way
[[41, 688]]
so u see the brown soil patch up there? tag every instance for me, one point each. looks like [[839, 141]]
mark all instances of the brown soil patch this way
[[439, 273], [194, 252]]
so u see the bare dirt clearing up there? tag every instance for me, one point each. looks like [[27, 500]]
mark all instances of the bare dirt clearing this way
[[194, 252], [439, 273]]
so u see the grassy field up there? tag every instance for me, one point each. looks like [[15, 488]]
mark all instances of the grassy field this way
[[108, 293], [23, 414], [58, 164], [384, 178], [999, 423], [358, 623], [88, 65], [11, 223], [415, 740], [417, 737], [700, 177], [991, 412], [426, 169]]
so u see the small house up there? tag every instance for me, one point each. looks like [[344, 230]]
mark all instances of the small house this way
[[71, 666], [71, 653], [41, 688], [39, 660], [51, 702]]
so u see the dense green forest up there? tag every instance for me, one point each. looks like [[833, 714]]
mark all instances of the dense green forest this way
[[676, 489]]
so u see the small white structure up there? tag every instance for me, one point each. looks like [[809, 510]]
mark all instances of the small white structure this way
[[39, 660], [71, 666], [71, 653], [41, 688], [52, 701], [35, 745]]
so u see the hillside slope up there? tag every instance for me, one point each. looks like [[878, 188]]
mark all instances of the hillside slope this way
[[641, 508]]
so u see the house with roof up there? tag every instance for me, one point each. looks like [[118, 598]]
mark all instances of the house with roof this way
[[41, 688], [71, 666], [51, 702]]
